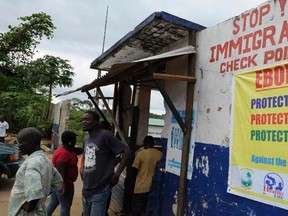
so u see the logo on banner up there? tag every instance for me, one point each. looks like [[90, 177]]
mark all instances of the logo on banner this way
[[246, 178], [273, 185]]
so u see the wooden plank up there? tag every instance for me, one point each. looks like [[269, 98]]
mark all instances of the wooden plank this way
[[99, 111], [123, 139], [164, 76], [182, 191]]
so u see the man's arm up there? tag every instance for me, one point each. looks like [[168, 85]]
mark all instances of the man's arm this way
[[30, 206], [78, 150], [115, 177], [57, 181], [62, 167], [135, 166]]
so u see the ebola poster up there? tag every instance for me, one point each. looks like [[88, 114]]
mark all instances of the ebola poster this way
[[259, 136], [175, 146]]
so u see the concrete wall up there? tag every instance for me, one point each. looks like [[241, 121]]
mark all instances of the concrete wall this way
[[144, 105], [60, 115], [260, 39], [155, 131], [64, 117]]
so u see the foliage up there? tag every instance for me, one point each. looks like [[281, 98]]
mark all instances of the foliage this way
[[81, 105], [23, 109], [23, 78], [74, 124], [156, 116], [18, 45], [49, 72]]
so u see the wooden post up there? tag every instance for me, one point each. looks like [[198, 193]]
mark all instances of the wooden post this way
[[112, 117], [187, 134], [99, 111], [174, 77]]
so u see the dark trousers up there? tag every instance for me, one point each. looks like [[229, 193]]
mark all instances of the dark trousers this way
[[2, 139], [139, 204]]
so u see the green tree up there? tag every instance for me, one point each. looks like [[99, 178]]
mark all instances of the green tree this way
[[26, 84], [81, 105], [74, 124], [156, 116], [50, 71], [23, 110], [18, 46], [78, 107]]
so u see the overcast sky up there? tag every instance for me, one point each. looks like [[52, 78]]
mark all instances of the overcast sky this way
[[80, 26]]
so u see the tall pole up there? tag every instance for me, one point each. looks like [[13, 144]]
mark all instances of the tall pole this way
[[103, 45], [182, 191]]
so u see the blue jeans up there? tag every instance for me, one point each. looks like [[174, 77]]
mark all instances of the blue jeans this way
[[96, 204], [65, 203]]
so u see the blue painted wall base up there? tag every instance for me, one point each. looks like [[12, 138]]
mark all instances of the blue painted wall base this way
[[206, 191]]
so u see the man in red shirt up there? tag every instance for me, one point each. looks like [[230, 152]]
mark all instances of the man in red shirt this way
[[65, 160]]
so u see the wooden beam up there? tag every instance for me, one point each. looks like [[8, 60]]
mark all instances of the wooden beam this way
[[107, 98], [99, 111], [164, 76], [182, 191], [112, 117], [170, 104]]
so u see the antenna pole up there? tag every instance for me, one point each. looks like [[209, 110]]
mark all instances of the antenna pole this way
[[103, 45]]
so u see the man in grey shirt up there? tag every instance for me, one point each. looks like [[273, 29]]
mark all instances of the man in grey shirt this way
[[100, 149]]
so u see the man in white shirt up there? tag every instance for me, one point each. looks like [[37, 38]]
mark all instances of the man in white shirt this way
[[35, 179], [3, 127]]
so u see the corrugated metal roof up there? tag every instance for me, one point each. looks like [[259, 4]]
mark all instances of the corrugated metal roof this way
[[148, 39], [157, 31], [134, 71]]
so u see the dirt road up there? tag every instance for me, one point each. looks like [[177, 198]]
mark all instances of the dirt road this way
[[6, 186], [76, 210]]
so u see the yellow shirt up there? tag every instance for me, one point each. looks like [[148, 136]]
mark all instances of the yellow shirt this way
[[145, 162]]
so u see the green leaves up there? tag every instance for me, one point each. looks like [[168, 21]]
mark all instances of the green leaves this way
[[18, 46], [23, 109], [20, 42], [51, 71], [22, 78]]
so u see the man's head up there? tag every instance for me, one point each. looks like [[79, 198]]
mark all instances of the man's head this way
[[90, 120], [68, 139], [1, 118], [149, 142], [29, 140]]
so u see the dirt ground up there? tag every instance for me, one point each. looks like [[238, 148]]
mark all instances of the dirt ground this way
[[6, 186]]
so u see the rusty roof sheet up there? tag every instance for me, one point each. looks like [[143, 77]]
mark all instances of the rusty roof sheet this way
[[148, 39], [135, 72], [156, 32]]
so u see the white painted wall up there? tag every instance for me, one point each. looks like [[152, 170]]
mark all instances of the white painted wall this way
[[213, 87], [155, 131], [262, 30]]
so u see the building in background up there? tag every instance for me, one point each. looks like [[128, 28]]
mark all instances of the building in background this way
[[155, 128]]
